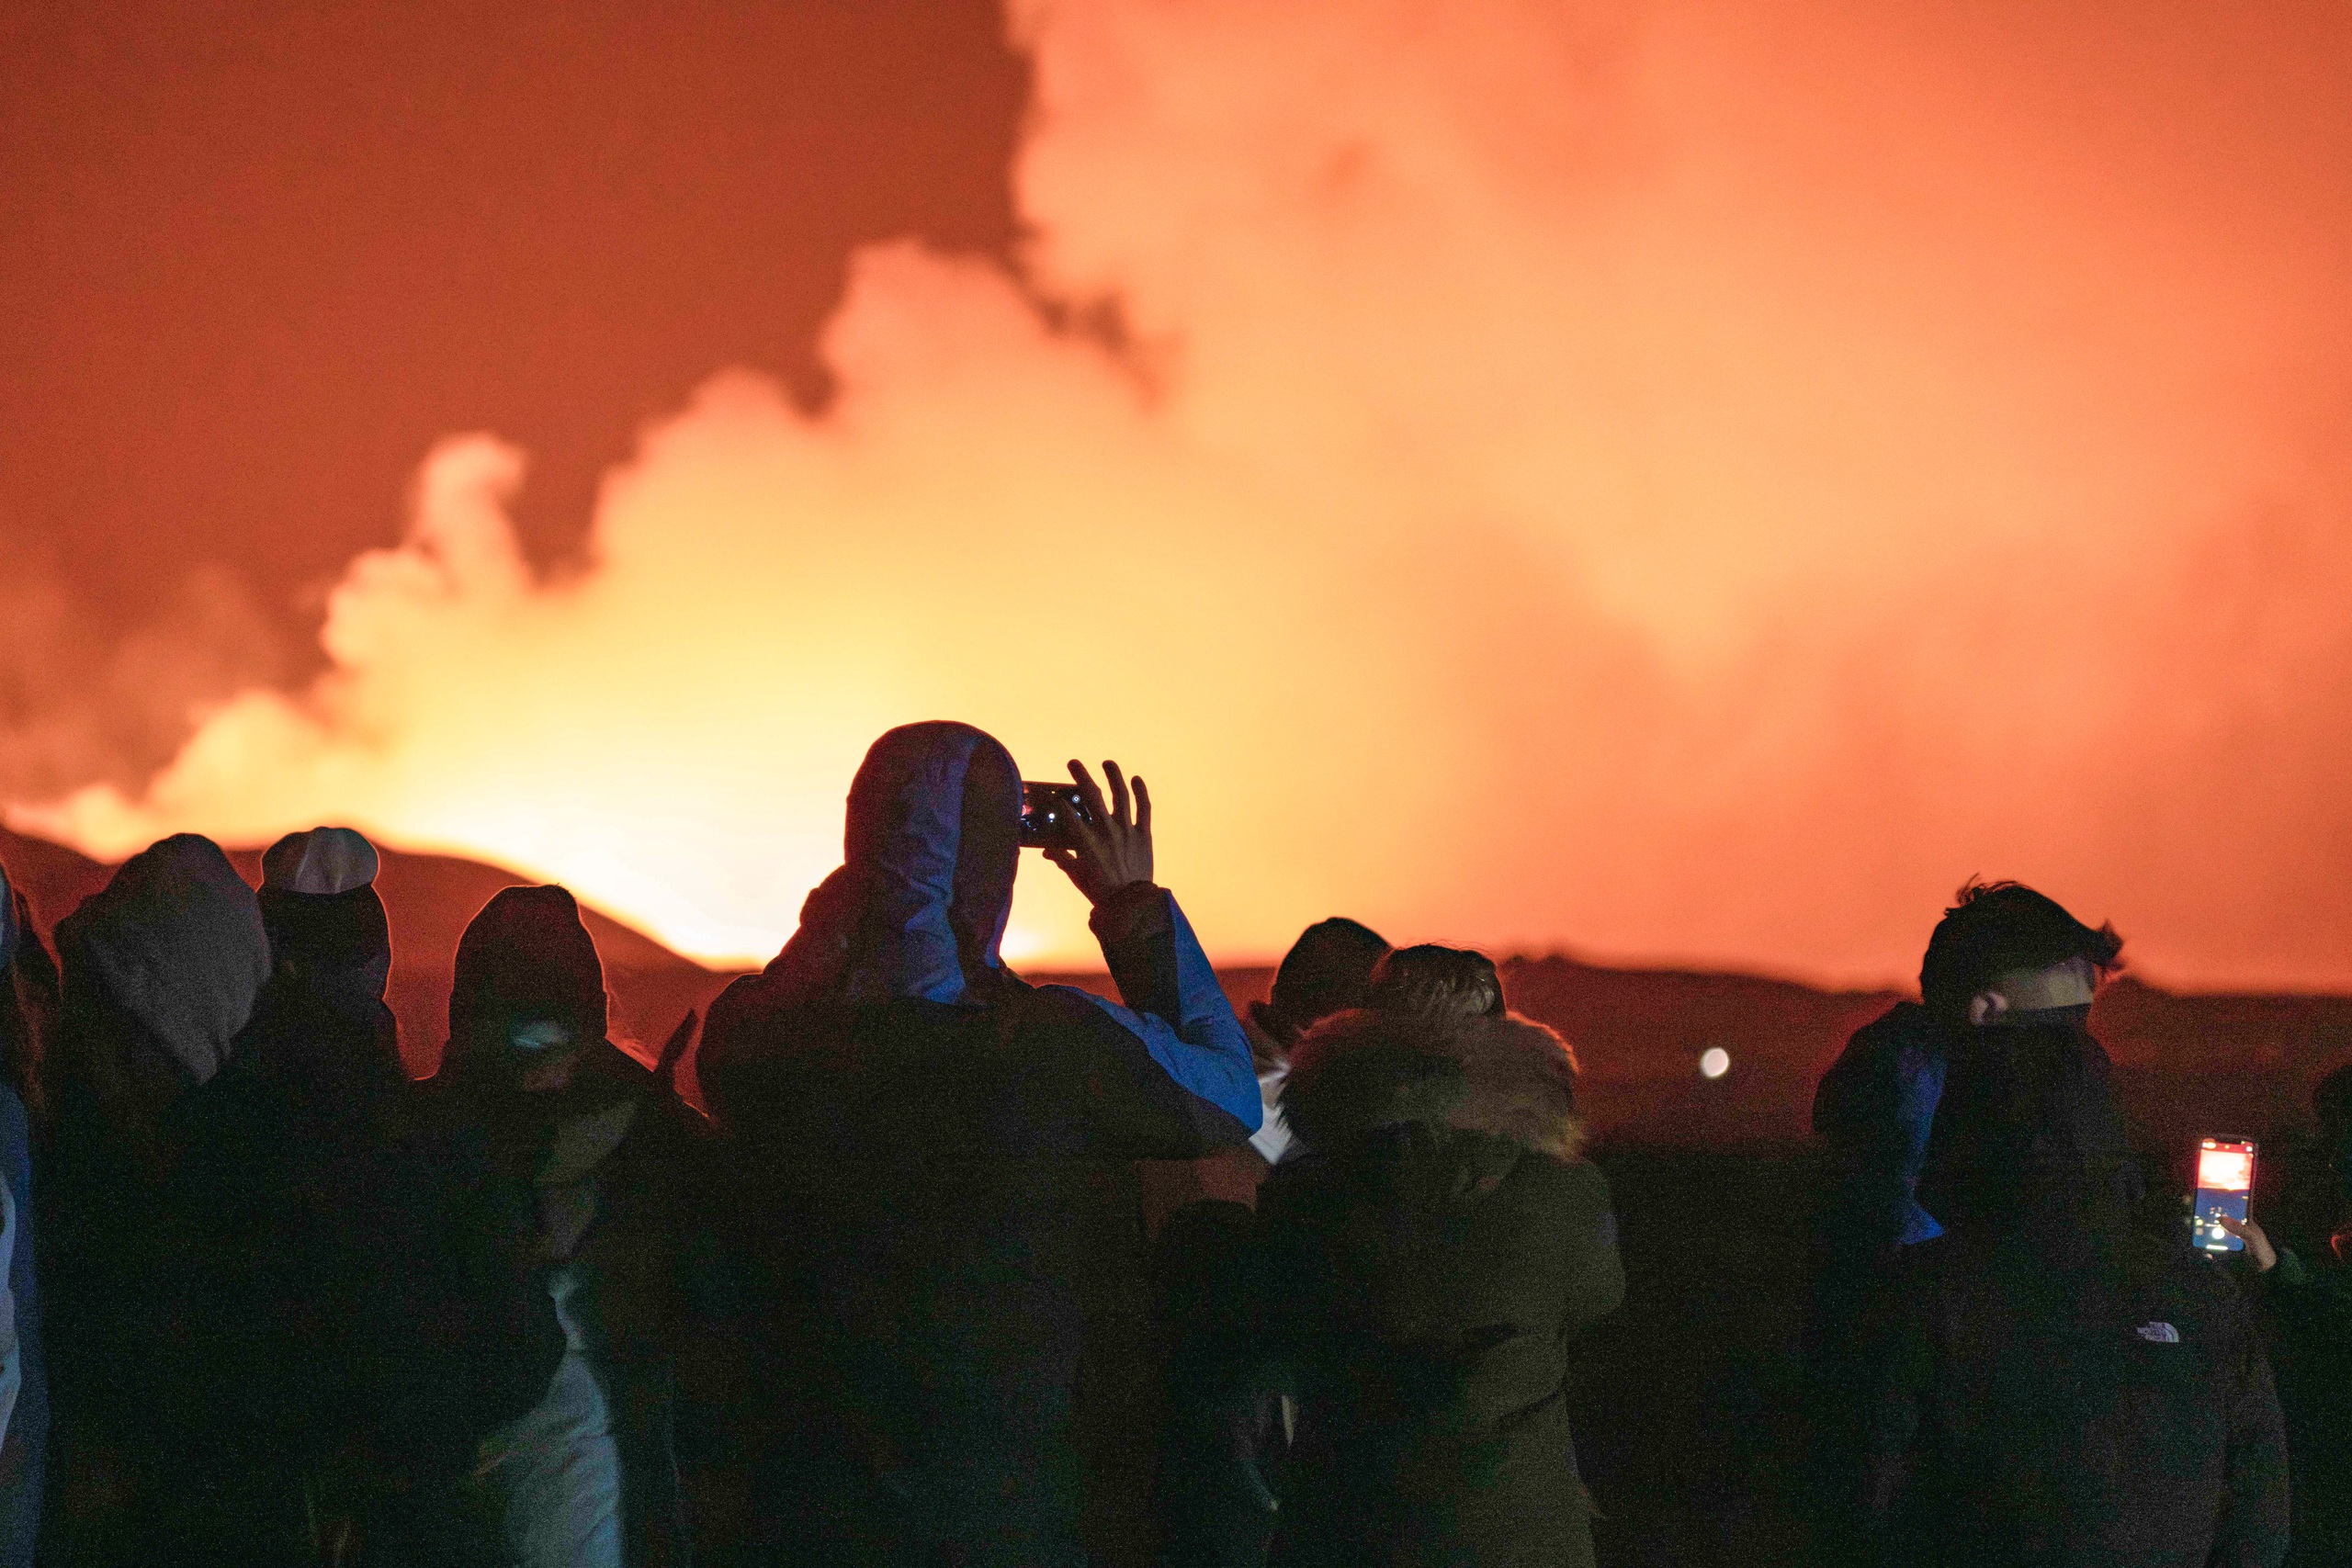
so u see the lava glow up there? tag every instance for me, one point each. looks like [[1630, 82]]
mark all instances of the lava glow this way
[[1691, 480]]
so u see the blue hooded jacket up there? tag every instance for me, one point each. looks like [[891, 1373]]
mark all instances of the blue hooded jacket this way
[[917, 911], [938, 1215]]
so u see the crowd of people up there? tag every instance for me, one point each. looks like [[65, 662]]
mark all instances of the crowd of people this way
[[903, 1290]]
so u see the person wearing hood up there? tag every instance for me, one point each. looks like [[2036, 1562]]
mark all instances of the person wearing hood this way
[[2003, 957], [588, 1476], [2053, 1386], [28, 1020], [2307, 1291], [942, 1225], [362, 1304], [162, 968], [1424, 1265]]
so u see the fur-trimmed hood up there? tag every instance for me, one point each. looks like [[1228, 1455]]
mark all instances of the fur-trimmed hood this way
[[1505, 1076]]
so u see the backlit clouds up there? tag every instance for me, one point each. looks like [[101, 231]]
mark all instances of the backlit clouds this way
[[1685, 481]]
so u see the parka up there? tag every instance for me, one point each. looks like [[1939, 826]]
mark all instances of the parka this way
[[941, 1228], [162, 968], [1424, 1268]]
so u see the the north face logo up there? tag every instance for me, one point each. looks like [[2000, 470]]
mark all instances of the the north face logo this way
[[2158, 1333]]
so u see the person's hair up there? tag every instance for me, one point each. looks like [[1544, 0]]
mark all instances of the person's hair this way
[[1451, 981], [1997, 927], [1325, 971]]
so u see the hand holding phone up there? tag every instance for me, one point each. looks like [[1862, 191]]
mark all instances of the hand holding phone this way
[[1108, 844], [2258, 1249], [2224, 1184]]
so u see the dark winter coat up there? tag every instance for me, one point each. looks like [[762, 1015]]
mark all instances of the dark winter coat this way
[[2310, 1302], [28, 1020], [941, 1215], [2055, 1389], [363, 1309], [1424, 1267], [24, 1445], [162, 968], [605, 1157]]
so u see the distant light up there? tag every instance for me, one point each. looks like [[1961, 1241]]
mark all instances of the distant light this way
[[1713, 1062]]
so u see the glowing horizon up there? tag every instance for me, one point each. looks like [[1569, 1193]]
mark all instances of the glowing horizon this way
[[1650, 480]]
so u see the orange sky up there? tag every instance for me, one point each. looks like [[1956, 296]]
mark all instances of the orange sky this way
[[1684, 481]]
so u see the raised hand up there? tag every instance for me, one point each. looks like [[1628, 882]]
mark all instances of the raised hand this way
[[1113, 847]]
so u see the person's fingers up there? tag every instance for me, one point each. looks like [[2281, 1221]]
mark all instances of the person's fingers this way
[[1119, 807], [2235, 1227], [1089, 793], [1143, 806]]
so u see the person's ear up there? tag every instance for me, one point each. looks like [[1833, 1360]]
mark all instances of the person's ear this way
[[1988, 1007]]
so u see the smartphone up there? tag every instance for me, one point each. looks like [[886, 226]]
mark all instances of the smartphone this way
[[1049, 815], [2225, 1181]]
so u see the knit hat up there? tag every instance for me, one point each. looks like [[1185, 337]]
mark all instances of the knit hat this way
[[526, 957]]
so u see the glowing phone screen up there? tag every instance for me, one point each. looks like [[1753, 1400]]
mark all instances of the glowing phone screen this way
[[2224, 1179]]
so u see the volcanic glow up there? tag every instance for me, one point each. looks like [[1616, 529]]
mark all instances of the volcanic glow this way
[[1691, 480]]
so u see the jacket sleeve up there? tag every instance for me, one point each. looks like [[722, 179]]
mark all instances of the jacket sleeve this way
[[1174, 1008], [1874, 1110], [2252, 1533]]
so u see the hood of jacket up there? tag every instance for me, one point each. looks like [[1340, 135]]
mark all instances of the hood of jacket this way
[[919, 905], [1505, 1076], [174, 943]]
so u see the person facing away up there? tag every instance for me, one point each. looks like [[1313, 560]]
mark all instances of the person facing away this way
[[1221, 1438], [28, 1022], [162, 968], [2052, 1386], [364, 1307], [2306, 1291], [587, 1477], [1424, 1265], [1326, 971], [939, 1205]]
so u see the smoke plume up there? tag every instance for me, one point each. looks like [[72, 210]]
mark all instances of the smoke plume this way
[[1690, 480]]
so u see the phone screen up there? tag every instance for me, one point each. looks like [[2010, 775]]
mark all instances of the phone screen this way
[[2224, 1181]]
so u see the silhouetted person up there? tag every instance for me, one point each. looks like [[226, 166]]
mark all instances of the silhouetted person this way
[[362, 1307], [1221, 1439], [162, 968], [2055, 1388], [2003, 956], [27, 1020], [940, 1211], [588, 1477], [1424, 1266], [1326, 971], [2308, 1292]]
